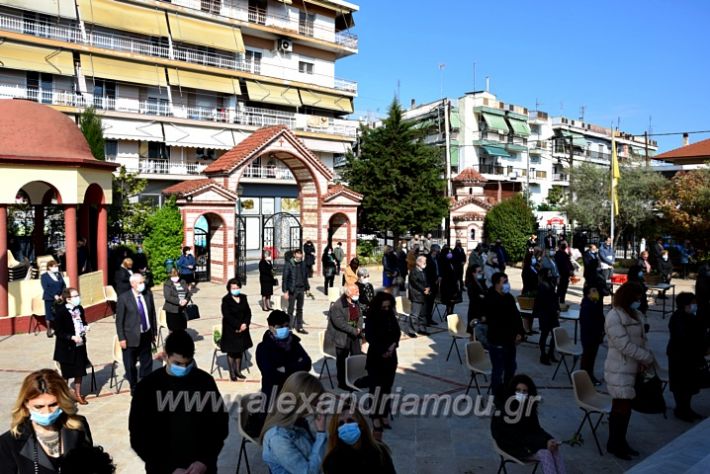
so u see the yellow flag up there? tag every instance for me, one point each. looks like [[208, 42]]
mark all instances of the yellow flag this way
[[615, 175]]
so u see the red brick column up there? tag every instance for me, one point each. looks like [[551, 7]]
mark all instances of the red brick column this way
[[4, 272], [70, 245]]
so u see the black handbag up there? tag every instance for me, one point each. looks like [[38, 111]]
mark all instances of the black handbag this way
[[649, 394], [192, 311], [276, 282]]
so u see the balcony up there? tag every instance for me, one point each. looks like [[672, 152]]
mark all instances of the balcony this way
[[116, 41], [268, 172], [44, 96], [503, 172], [560, 177], [159, 166], [582, 154]]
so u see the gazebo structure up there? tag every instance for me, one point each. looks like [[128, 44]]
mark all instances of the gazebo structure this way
[[328, 211], [45, 160]]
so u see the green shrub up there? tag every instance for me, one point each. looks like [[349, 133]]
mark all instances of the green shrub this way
[[365, 248], [164, 239], [512, 221]]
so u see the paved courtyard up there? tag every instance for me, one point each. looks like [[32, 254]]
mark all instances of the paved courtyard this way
[[419, 444]]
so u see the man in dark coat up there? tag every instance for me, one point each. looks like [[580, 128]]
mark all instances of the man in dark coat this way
[[294, 286], [187, 434], [505, 330], [433, 280], [564, 269], [344, 331], [121, 277], [418, 292], [136, 328], [459, 260]]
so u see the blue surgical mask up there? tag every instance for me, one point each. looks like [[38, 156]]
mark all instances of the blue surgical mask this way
[[693, 308], [282, 333], [635, 305], [179, 370], [640, 274], [349, 433], [141, 288], [45, 419], [506, 287], [76, 300], [533, 261], [236, 292]]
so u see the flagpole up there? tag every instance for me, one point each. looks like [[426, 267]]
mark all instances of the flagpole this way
[[613, 196]]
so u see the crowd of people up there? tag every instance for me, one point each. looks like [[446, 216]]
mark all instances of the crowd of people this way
[[47, 434]]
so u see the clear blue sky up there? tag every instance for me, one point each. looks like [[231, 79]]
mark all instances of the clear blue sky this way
[[623, 59]]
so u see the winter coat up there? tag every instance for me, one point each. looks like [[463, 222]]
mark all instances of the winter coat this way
[[417, 285], [233, 316], [547, 306], [627, 348], [340, 333]]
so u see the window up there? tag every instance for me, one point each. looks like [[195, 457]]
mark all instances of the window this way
[[257, 12], [306, 22], [253, 61], [39, 86], [305, 67], [110, 149], [104, 94], [211, 6], [156, 150], [156, 106], [472, 234]]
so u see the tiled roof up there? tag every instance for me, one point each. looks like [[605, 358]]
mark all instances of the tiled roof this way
[[469, 216], [335, 189], [244, 149], [481, 201], [699, 149], [189, 187], [470, 175]]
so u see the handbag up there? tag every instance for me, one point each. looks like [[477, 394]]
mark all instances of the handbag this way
[[276, 282], [649, 393], [192, 311]]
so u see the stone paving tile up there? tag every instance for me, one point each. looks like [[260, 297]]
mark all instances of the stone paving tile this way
[[419, 444]]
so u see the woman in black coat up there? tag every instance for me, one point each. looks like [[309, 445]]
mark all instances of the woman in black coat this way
[[591, 327], [547, 310], [686, 355], [382, 334], [70, 345], [449, 290], [531, 267], [236, 317], [329, 268], [52, 287], [176, 293], [516, 427], [476, 291], [266, 280]]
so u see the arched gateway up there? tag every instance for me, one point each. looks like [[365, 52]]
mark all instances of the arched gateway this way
[[320, 199]]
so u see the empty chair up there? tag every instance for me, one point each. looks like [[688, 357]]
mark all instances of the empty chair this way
[[242, 423], [457, 330], [478, 363], [111, 299], [354, 370], [403, 305], [162, 325], [115, 364], [216, 336], [565, 347], [590, 402], [324, 351], [506, 458]]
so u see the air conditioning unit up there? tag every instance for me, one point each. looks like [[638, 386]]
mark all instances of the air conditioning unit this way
[[284, 45]]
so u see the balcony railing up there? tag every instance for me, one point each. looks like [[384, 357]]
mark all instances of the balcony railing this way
[[259, 117], [45, 96], [126, 43], [268, 172], [256, 15], [595, 155], [158, 166], [560, 177]]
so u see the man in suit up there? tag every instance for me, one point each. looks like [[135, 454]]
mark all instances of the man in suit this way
[[294, 286], [122, 276], [136, 328], [418, 292]]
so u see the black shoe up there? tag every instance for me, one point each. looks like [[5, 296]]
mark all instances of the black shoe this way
[[411, 334], [50, 332], [544, 360], [240, 376], [301, 331], [631, 451], [532, 333], [621, 454], [423, 332], [432, 323], [232, 377]]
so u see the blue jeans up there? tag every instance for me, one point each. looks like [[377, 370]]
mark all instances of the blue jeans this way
[[503, 365]]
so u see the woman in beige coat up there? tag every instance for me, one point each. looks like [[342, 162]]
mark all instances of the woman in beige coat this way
[[627, 357]]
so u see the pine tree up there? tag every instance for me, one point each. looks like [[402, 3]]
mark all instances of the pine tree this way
[[91, 127], [400, 177]]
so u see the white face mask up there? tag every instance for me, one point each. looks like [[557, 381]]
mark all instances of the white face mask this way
[[665, 257], [365, 281], [521, 397]]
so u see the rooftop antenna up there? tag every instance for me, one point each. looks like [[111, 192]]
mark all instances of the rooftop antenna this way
[[397, 94], [581, 113], [562, 107], [474, 76], [441, 68], [650, 124]]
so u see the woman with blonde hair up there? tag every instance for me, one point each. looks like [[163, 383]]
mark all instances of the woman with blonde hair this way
[[352, 448], [44, 426], [289, 443]]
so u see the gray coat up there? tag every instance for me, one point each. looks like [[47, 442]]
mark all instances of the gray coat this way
[[172, 297], [627, 349], [339, 330], [128, 320], [417, 285]]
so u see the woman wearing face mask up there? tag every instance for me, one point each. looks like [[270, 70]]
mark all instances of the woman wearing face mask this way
[[476, 290], [329, 268], [490, 268], [516, 428], [44, 426], [626, 358], [70, 346], [665, 268], [351, 447], [236, 318], [686, 355], [367, 291], [547, 310], [591, 328], [382, 334], [266, 280], [636, 274], [450, 292], [290, 444], [52, 287], [176, 294], [531, 266]]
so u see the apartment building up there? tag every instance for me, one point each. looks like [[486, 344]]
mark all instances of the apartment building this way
[[179, 82]]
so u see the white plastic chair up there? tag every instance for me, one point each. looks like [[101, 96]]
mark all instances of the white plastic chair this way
[[457, 330], [162, 325], [326, 357], [115, 364], [242, 420], [506, 458], [477, 363], [354, 370], [590, 402], [565, 347], [110, 296]]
